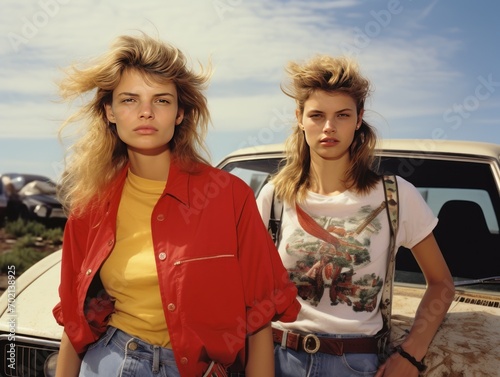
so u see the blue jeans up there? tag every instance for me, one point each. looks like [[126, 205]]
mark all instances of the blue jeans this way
[[117, 354], [290, 363]]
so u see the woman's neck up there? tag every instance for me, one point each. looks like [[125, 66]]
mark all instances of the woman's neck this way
[[154, 167], [329, 177]]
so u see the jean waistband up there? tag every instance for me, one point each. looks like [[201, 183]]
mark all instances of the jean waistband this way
[[312, 343], [139, 348]]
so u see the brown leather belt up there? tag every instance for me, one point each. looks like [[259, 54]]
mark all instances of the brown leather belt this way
[[311, 343]]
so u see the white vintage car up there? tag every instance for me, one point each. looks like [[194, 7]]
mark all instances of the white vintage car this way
[[459, 180]]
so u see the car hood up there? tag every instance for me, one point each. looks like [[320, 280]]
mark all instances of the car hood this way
[[467, 340], [33, 302]]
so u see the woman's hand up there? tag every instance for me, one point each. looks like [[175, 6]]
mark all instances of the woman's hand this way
[[397, 366]]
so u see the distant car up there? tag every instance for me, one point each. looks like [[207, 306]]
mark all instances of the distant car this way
[[459, 180], [33, 197]]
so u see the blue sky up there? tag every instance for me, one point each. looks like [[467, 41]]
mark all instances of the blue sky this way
[[434, 64]]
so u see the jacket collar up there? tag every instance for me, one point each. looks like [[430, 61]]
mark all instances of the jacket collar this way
[[177, 183]]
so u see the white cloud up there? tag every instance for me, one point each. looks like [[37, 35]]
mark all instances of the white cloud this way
[[249, 42]]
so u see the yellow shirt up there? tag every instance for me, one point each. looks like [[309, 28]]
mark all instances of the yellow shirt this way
[[129, 274]]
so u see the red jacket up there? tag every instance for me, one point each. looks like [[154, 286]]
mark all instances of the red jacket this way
[[219, 272]]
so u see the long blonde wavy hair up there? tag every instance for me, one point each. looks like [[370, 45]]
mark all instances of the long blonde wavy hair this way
[[329, 74], [98, 155]]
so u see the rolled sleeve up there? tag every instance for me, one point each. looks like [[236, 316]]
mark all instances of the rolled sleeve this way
[[269, 293]]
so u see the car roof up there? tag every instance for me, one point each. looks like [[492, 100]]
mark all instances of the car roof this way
[[28, 178], [474, 148]]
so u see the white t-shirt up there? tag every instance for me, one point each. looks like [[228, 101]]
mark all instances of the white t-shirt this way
[[340, 286]]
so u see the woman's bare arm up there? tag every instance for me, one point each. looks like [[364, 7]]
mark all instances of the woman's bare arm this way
[[68, 361], [431, 311], [260, 362]]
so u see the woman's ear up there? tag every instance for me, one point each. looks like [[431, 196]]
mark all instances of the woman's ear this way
[[360, 118], [109, 113], [179, 117], [298, 115]]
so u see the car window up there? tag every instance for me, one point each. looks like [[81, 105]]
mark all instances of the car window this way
[[254, 172], [464, 196], [254, 179], [437, 197]]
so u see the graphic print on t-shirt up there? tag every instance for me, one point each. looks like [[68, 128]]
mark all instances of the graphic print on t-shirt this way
[[327, 270]]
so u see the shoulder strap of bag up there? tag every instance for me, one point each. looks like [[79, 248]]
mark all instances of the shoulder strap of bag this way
[[274, 226], [392, 206]]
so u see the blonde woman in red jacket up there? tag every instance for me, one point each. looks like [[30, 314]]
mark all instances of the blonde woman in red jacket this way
[[167, 268]]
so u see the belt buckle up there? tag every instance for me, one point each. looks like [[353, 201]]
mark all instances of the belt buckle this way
[[305, 342]]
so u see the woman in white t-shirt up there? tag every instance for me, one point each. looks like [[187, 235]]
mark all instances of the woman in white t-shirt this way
[[335, 234]]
